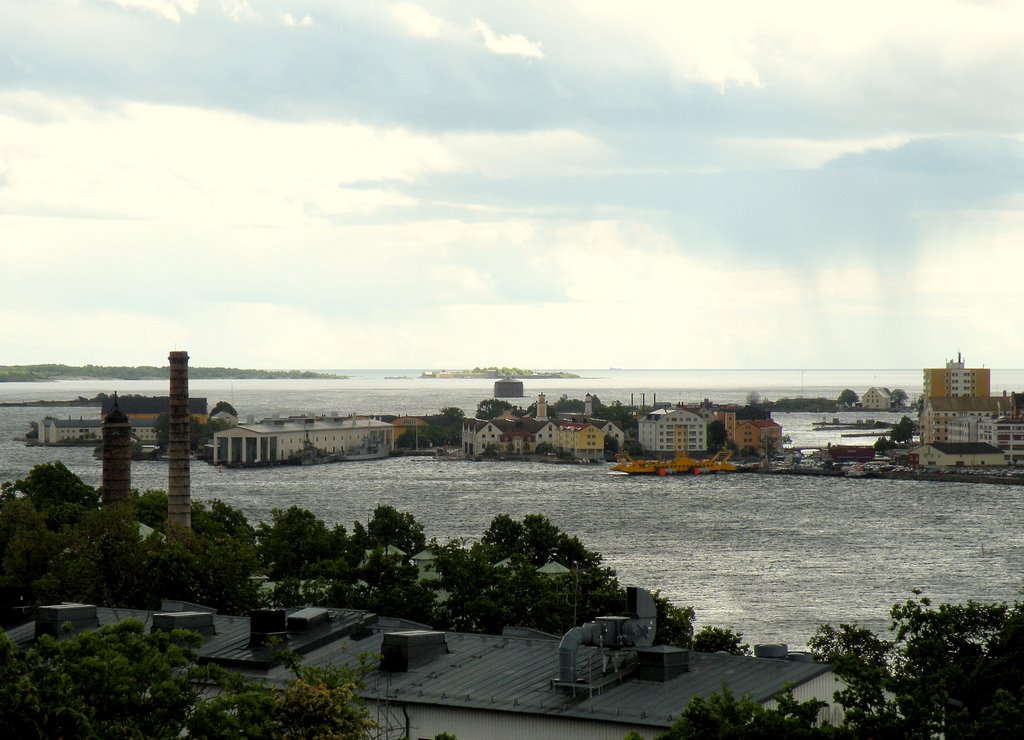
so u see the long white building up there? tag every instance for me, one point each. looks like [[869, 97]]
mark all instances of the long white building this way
[[277, 441]]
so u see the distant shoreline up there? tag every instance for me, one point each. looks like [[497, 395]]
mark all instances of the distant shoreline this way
[[53, 373]]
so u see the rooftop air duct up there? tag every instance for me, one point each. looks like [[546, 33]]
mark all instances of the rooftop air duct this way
[[634, 630]]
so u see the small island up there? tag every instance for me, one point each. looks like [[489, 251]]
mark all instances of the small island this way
[[497, 372], [47, 373]]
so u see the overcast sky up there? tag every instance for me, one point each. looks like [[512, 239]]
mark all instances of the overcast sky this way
[[556, 184]]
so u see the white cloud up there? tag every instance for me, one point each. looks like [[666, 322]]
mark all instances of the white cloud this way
[[236, 10], [416, 21], [168, 9], [514, 44], [290, 21]]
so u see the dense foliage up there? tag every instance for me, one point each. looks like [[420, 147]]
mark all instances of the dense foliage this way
[[120, 681], [56, 540]]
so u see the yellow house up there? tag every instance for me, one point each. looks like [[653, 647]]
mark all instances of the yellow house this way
[[582, 440], [758, 434], [148, 408], [403, 424]]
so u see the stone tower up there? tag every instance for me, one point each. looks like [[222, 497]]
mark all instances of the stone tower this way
[[542, 408], [117, 457], [179, 502]]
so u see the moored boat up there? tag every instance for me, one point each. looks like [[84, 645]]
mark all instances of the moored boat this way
[[680, 465]]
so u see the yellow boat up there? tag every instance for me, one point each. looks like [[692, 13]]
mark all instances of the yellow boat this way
[[680, 465]]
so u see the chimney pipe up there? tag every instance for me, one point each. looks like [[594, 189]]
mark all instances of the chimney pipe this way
[[117, 457], [179, 503]]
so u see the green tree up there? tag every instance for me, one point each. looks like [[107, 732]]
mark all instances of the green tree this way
[[716, 434], [492, 408], [223, 406], [710, 639], [724, 716], [674, 623], [903, 430], [898, 398], [848, 398], [102, 562], [55, 492], [117, 681], [294, 540], [390, 527], [624, 417], [452, 415]]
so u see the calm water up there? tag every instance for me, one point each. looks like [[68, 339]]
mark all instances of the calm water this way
[[771, 556]]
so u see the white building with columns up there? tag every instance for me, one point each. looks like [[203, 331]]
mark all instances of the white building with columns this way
[[303, 439]]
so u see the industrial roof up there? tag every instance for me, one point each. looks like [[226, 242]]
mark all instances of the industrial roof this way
[[503, 673], [965, 448], [272, 427], [149, 405]]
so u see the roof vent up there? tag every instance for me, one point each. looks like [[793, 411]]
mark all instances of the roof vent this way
[[308, 618], [402, 651], [266, 625], [201, 622], [177, 605], [65, 620], [774, 652], [661, 663]]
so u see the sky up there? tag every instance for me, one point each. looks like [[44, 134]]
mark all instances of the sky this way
[[554, 185]]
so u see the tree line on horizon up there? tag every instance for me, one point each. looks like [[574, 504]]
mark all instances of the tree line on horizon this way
[[48, 372]]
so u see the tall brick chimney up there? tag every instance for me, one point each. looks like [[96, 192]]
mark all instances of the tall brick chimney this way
[[179, 502], [117, 456]]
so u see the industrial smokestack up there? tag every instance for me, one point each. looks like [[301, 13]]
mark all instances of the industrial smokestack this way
[[179, 502], [117, 456]]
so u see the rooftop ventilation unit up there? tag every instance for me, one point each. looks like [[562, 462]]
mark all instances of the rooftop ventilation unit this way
[[65, 620], [772, 651], [266, 625], [201, 622], [613, 635], [661, 663], [401, 651], [308, 618]]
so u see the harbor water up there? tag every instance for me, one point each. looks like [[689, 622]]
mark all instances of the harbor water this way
[[770, 556]]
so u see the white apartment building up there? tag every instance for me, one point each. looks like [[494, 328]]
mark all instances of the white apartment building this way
[[672, 431], [1007, 434]]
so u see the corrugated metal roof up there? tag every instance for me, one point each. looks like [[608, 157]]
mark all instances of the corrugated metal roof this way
[[487, 672]]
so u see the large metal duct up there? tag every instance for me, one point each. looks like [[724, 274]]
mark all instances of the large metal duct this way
[[635, 630], [179, 502]]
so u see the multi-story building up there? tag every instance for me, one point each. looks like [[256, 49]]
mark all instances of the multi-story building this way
[[581, 440], [876, 399], [939, 413], [508, 436], [1006, 433], [53, 431], [955, 380], [672, 431], [759, 435]]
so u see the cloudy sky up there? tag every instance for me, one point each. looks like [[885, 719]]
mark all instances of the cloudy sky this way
[[570, 184]]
